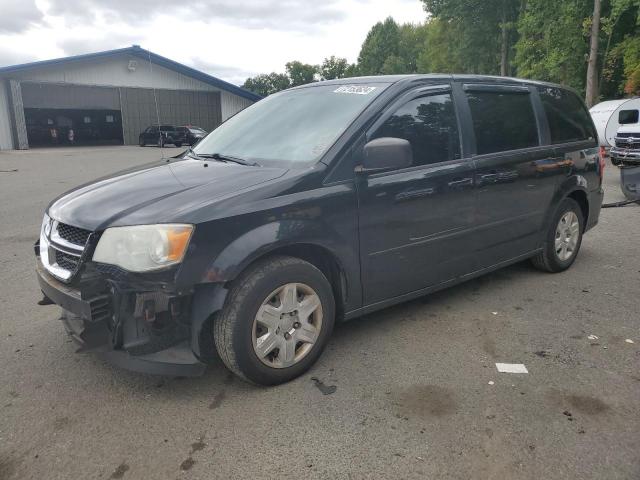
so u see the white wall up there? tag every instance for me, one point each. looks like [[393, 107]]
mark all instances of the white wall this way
[[113, 72], [232, 104], [6, 140]]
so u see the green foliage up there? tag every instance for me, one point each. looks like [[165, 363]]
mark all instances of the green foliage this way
[[476, 29], [391, 48], [301, 73], [381, 43], [553, 44], [333, 67], [539, 39], [266, 84]]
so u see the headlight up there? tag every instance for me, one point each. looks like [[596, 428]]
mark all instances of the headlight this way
[[143, 248]]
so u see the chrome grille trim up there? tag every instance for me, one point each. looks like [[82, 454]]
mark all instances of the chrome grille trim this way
[[59, 256]]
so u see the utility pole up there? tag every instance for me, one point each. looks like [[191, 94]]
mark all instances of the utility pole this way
[[592, 69]]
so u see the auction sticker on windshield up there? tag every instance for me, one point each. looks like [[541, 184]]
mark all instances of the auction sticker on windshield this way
[[355, 89]]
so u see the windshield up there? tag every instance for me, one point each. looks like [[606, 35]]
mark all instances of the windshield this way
[[293, 128]]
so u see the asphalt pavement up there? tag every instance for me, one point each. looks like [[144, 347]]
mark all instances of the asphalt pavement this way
[[417, 393]]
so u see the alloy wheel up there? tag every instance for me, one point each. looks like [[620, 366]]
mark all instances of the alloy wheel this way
[[567, 236], [287, 325]]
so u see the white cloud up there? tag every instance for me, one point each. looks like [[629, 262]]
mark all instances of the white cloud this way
[[231, 39], [18, 15]]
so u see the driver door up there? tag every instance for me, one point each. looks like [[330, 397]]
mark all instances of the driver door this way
[[416, 223]]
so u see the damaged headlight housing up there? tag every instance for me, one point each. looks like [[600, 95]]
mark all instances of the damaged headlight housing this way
[[143, 248]]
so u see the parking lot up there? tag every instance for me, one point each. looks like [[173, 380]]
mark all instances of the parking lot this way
[[417, 391]]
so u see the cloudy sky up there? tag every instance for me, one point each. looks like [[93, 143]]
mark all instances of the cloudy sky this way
[[232, 39]]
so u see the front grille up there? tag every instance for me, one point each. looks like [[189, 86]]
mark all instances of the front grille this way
[[66, 261], [634, 144], [75, 235]]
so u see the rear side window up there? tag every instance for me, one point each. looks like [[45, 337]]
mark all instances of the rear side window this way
[[626, 117], [429, 124], [568, 118], [502, 121]]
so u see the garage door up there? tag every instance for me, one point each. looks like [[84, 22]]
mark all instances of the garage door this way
[[39, 95], [175, 107]]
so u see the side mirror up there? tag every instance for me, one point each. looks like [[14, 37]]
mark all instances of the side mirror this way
[[385, 154]]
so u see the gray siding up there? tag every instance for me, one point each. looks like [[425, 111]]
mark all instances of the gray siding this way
[[175, 108], [232, 104], [113, 72], [42, 95], [17, 113], [6, 138], [108, 83]]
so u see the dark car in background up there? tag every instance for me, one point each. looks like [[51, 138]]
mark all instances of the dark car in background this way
[[161, 136], [191, 134], [315, 205]]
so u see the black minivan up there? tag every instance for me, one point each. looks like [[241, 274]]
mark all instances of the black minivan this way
[[315, 205]]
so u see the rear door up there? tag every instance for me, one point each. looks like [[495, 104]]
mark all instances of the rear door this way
[[415, 223], [516, 169]]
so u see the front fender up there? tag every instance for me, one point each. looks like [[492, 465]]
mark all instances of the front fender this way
[[240, 253]]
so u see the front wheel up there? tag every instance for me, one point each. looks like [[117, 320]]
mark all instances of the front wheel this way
[[563, 239], [178, 144], [276, 321]]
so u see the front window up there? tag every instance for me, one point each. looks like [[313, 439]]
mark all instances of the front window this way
[[429, 124], [293, 128]]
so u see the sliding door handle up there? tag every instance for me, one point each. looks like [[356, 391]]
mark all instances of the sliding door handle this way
[[462, 182]]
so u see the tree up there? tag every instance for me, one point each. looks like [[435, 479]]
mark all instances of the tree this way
[[266, 84], [391, 48], [333, 67], [552, 45], [592, 66], [381, 43], [484, 31], [301, 73]]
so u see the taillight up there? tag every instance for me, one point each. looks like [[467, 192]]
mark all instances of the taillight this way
[[601, 162]]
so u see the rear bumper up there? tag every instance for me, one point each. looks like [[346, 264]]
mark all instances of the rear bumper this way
[[89, 319]]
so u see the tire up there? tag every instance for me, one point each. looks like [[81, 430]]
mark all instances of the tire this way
[[141, 142], [178, 144], [550, 259], [236, 327]]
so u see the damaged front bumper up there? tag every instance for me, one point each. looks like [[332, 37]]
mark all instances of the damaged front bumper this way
[[144, 331]]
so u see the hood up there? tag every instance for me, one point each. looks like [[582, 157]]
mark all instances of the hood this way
[[634, 128], [153, 194]]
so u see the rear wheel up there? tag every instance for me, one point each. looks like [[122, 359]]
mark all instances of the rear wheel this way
[[141, 142], [563, 239], [276, 321], [178, 144]]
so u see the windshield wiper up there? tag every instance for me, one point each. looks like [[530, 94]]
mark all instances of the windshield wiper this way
[[225, 158]]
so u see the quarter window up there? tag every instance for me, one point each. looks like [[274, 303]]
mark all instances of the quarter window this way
[[568, 118], [502, 121], [429, 124]]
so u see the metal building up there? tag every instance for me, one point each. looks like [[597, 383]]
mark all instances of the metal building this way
[[109, 97]]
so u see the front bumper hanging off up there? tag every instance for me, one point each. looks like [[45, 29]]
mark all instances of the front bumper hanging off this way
[[120, 328]]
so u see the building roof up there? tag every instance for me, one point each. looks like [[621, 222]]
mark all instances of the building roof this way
[[137, 51]]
